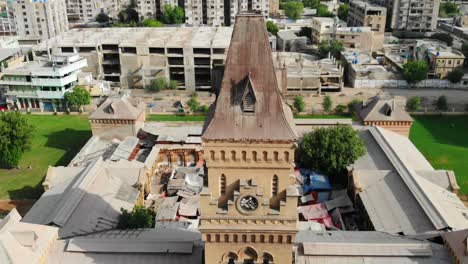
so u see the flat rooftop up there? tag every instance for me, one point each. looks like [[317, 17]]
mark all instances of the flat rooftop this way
[[202, 37]]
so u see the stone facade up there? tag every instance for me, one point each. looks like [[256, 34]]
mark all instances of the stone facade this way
[[237, 170]]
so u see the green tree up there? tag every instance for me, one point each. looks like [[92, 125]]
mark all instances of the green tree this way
[[152, 23], [444, 37], [448, 10], [413, 103], [415, 71], [455, 76], [330, 150], [172, 85], [173, 15], [272, 27], [442, 103], [79, 97], [343, 12], [128, 15], [293, 9], [322, 11], [327, 103], [464, 50], [334, 47], [353, 105], [158, 84], [102, 17], [193, 103], [139, 217], [299, 103], [340, 109], [203, 109], [15, 138]]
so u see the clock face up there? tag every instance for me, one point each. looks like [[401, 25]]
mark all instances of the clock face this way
[[248, 203]]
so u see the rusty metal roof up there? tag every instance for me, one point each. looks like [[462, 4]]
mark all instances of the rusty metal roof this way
[[249, 65]]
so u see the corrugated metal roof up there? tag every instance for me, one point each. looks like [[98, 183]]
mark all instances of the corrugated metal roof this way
[[250, 59]]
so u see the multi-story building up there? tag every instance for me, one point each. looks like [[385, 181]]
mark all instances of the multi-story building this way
[[153, 8], [7, 24], [204, 12], [249, 205], [362, 38], [86, 10], [39, 19], [405, 16], [440, 58], [362, 14], [41, 85], [322, 28], [132, 57]]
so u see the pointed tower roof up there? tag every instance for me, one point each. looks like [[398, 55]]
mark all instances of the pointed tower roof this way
[[249, 106]]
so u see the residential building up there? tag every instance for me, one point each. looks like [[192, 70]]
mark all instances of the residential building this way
[[118, 117], [397, 190], [404, 16], [84, 11], [288, 40], [153, 8], [132, 57], [41, 85], [387, 113], [440, 58], [303, 73], [222, 13], [362, 14], [43, 20], [249, 160], [360, 38], [7, 24], [322, 28]]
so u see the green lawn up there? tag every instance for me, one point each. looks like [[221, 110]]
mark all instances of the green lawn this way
[[168, 118], [444, 142], [56, 141]]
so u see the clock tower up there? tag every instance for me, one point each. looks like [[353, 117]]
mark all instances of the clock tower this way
[[249, 206]]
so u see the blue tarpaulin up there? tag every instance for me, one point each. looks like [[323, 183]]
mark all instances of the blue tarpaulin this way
[[314, 181]]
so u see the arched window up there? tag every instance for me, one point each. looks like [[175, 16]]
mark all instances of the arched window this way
[[223, 155], [274, 186], [212, 155], [270, 239], [265, 156], [252, 238], [222, 185], [280, 239], [254, 155], [244, 156], [217, 237], [262, 238], [208, 237], [226, 238], [244, 238], [276, 156], [289, 239], [235, 238], [233, 155], [286, 156]]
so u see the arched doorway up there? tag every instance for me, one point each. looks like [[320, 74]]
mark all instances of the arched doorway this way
[[248, 255], [229, 258], [267, 258]]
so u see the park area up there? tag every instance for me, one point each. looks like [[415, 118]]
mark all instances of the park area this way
[[55, 142], [444, 142]]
